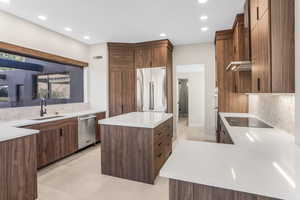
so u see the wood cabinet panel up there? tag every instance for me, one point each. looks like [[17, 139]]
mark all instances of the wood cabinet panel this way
[[135, 153], [181, 190], [115, 93], [121, 57], [18, 169], [48, 146], [228, 99], [264, 81], [253, 13], [69, 138], [273, 40], [99, 116], [22, 174], [3, 171], [143, 57], [283, 46], [261, 68], [121, 78], [128, 91], [56, 140], [263, 6], [242, 79], [160, 54]]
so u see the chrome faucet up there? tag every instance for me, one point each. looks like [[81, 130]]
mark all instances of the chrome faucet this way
[[43, 107]]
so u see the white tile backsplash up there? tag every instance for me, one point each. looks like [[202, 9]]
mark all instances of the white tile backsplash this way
[[10, 114], [277, 110]]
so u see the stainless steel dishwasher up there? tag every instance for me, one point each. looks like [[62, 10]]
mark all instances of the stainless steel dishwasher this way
[[86, 131]]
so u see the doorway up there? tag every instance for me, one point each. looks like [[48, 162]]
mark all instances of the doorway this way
[[190, 102], [183, 99]]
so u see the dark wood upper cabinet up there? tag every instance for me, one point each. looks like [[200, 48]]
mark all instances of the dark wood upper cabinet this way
[[228, 99], [263, 6], [242, 79], [273, 46], [124, 59], [160, 55], [121, 78], [143, 57]]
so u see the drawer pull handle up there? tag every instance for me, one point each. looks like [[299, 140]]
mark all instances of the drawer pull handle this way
[[160, 144], [159, 155]]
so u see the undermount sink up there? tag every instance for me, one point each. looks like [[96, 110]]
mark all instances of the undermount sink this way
[[45, 118]]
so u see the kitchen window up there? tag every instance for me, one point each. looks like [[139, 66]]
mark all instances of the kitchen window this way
[[54, 86], [24, 81], [3, 93]]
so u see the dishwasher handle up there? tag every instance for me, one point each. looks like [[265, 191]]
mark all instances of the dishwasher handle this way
[[86, 118]]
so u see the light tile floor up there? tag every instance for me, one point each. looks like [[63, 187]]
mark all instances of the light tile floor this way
[[79, 177]]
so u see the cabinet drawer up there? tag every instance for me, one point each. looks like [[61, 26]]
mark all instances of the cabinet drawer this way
[[165, 129]]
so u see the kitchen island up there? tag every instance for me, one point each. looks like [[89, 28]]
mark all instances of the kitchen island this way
[[260, 164], [136, 145]]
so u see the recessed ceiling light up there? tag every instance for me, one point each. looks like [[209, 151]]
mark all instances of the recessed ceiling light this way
[[204, 17], [202, 1], [5, 1], [42, 17], [163, 35], [68, 29], [86, 37], [204, 29]]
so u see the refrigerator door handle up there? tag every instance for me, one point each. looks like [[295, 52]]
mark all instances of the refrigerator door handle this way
[[150, 95], [153, 95]]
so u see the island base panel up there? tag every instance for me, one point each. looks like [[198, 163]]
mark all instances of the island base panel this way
[[180, 190], [127, 153]]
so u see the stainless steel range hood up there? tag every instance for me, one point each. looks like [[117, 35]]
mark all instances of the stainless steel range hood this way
[[239, 66]]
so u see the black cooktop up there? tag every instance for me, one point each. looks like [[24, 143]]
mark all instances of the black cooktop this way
[[246, 122]]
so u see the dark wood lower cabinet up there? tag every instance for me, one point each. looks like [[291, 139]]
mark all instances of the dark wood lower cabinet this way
[[56, 140], [135, 153], [180, 190], [18, 171], [99, 116]]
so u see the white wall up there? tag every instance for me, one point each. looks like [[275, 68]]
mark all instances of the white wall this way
[[98, 73], [17, 31], [196, 97], [199, 54], [297, 72]]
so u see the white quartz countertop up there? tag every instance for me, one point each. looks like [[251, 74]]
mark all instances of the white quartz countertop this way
[[10, 129], [262, 161], [137, 119]]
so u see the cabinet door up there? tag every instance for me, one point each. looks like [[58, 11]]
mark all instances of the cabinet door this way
[[69, 138], [128, 91], [98, 129], [143, 57], [159, 58], [254, 13], [3, 170], [21, 169], [263, 61], [48, 142], [263, 6], [115, 93], [121, 58], [255, 67]]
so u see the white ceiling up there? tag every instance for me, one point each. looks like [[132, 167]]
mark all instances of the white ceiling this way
[[130, 20]]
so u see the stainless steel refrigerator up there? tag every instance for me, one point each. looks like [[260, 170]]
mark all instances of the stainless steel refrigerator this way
[[151, 89]]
